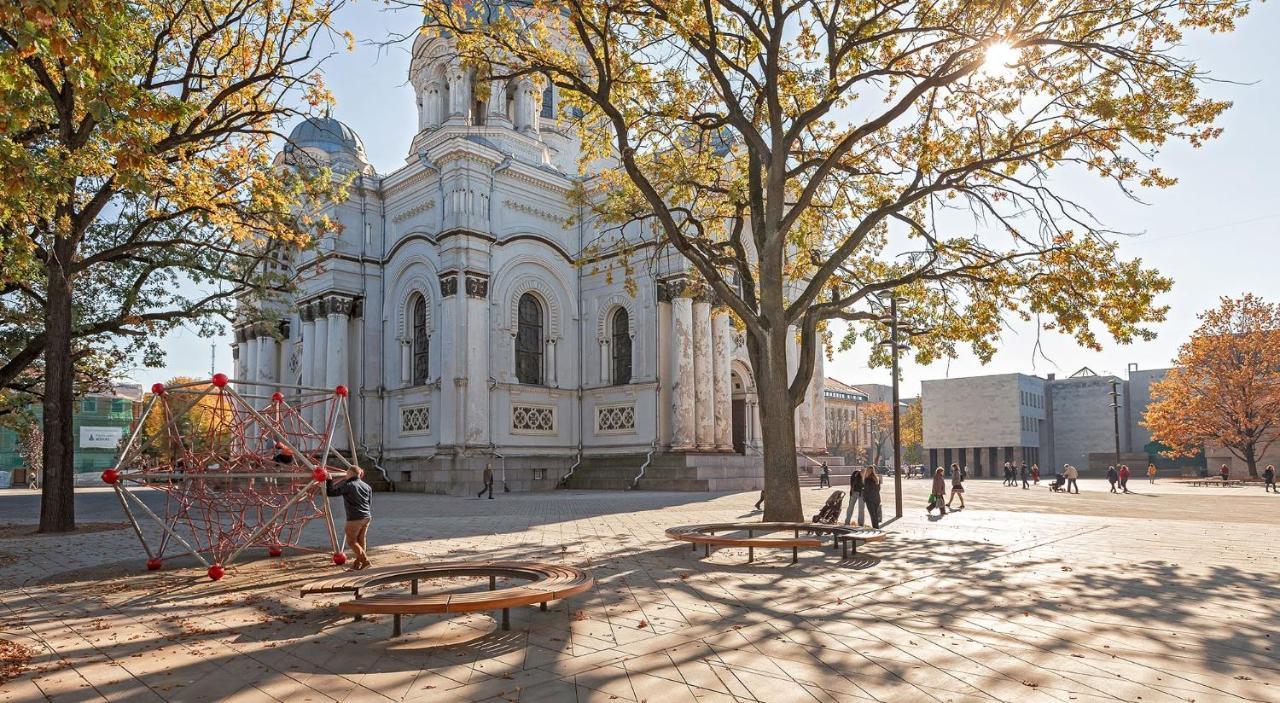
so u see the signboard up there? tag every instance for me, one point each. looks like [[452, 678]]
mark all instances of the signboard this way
[[100, 437]]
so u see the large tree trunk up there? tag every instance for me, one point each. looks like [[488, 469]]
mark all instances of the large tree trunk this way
[[778, 428], [57, 500], [1251, 459]]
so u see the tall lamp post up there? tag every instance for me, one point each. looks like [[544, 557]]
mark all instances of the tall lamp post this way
[[895, 347]]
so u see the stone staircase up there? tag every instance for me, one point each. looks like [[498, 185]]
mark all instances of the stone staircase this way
[[680, 472]]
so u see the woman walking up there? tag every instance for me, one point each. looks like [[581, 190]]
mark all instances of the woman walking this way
[[957, 485], [855, 497], [871, 495], [937, 492], [1151, 473], [1124, 478], [1035, 474], [1113, 477]]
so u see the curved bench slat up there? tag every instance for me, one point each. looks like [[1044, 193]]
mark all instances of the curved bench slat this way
[[705, 535]]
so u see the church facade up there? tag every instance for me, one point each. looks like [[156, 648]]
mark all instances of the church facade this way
[[459, 305]]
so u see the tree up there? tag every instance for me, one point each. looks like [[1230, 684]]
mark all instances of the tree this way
[[878, 418], [1225, 387], [913, 433], [135, 162], [807, 157]]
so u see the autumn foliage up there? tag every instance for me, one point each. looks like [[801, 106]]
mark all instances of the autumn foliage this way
[[1225, 389]]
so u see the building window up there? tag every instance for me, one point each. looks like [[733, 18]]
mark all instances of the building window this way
[[421, 342], [621, 347], [89, 405], [529, 341], [117, 405], [548, 103]]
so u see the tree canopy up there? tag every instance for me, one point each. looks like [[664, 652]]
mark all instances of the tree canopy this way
[[1225, 387], [810, 156]]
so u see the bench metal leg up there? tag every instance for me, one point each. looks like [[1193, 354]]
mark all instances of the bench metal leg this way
[[413, 589], [506, 619], [542, 606], [493, 582], [358, 617], [751, 554], [694, 545], [395, 625], [795, 554], [844, 553], [708, 548]]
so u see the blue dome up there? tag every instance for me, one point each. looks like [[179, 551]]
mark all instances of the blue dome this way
[[326, 134]]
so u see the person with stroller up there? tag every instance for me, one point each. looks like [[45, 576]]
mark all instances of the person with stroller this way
[[1059, 480]]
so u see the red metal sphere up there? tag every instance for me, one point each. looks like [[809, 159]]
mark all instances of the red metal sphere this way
[[110, 476], [157, 389], [277, 397], [154, 564], [319, 474], [220, 379], [339, 558], [216, 572], [274, 551], [340, 391]]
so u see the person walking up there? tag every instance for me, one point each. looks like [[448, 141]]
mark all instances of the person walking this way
[[1151, 474], [1113, 477], [1072, 474], [357, 500], [937, 492], [855, 497], [760, 502], [957, 485], [1023, 474], [488, 482], [871, 496], [824, 478], [1008, 473], [1226, 474], [1035, 474], [1124, 478], [1269, 479]]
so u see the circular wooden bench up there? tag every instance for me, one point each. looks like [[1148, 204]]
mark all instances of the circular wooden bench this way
[[545, 582], [812, 537]]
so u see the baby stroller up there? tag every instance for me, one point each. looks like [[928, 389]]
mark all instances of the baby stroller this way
[[831, 509], [1059, 481]]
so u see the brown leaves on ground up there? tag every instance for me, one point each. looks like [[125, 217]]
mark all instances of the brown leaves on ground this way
[[15, 659]]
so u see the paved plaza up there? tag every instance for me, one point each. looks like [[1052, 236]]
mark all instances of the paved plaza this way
[[1171, 594]]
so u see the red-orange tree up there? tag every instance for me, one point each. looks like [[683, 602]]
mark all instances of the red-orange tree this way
[[1226, 387]]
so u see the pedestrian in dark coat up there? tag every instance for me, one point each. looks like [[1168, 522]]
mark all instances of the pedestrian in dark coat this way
[[1269, 479], [871, 495], [1023, 473], [1113, 477], [855, 496]]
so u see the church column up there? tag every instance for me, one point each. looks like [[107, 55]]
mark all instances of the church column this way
[[339, 311], [721, 355], [476, 392], [459, 95], [319, 362], [703, 378], [307, 314], [241, 354], [605, 358], [819, 416], [498, 104], [268, 360], [683, 435], [251, 363], [528, 105]]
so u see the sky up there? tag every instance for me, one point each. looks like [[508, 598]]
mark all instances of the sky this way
[[1214, 233]]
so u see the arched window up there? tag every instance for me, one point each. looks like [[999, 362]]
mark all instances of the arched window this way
[[421, 343], [529, 341], [621, 347], [548, 103]]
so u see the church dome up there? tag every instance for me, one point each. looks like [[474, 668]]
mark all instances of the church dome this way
[[327, 135]]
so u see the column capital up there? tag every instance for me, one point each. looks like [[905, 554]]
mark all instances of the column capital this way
[[307, 313], [477, 284], [448, 283]]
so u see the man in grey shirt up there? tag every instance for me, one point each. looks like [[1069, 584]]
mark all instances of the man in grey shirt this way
[[357, 498]]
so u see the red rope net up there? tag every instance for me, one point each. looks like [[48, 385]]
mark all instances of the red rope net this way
[[239, 470]]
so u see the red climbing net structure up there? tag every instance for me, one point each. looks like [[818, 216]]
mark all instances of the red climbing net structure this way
[[240, 469]]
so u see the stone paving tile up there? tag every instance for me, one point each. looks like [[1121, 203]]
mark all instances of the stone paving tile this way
[[1024, 596]]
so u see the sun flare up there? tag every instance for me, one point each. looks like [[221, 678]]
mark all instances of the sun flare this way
[[1000, 58]]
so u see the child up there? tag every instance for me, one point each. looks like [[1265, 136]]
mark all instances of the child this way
[[1151, 473]]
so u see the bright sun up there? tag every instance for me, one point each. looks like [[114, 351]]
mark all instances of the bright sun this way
[[1000, 58]]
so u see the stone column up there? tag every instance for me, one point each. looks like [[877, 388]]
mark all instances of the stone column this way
[[721, 356], [308, 316], [241, 354], [339, 310], [498, 104], [459, 95], [251, 365], [319, 362], [605, 362], [683, 435], [820, 401], [703, 378], [268, 361]]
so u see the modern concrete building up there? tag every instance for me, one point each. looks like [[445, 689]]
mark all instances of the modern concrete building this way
[[983, 421]]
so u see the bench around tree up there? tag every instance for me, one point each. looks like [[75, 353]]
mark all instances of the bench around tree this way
[[812, 536], [546, 582]]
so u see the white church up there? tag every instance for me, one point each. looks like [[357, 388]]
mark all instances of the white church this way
[[458, 305]]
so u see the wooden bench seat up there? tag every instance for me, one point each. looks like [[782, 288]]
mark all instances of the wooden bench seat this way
[[860, 534], [812, 537], [545, 582]]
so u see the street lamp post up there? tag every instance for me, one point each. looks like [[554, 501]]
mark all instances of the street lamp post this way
[[895, 348], [1115, 413]]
